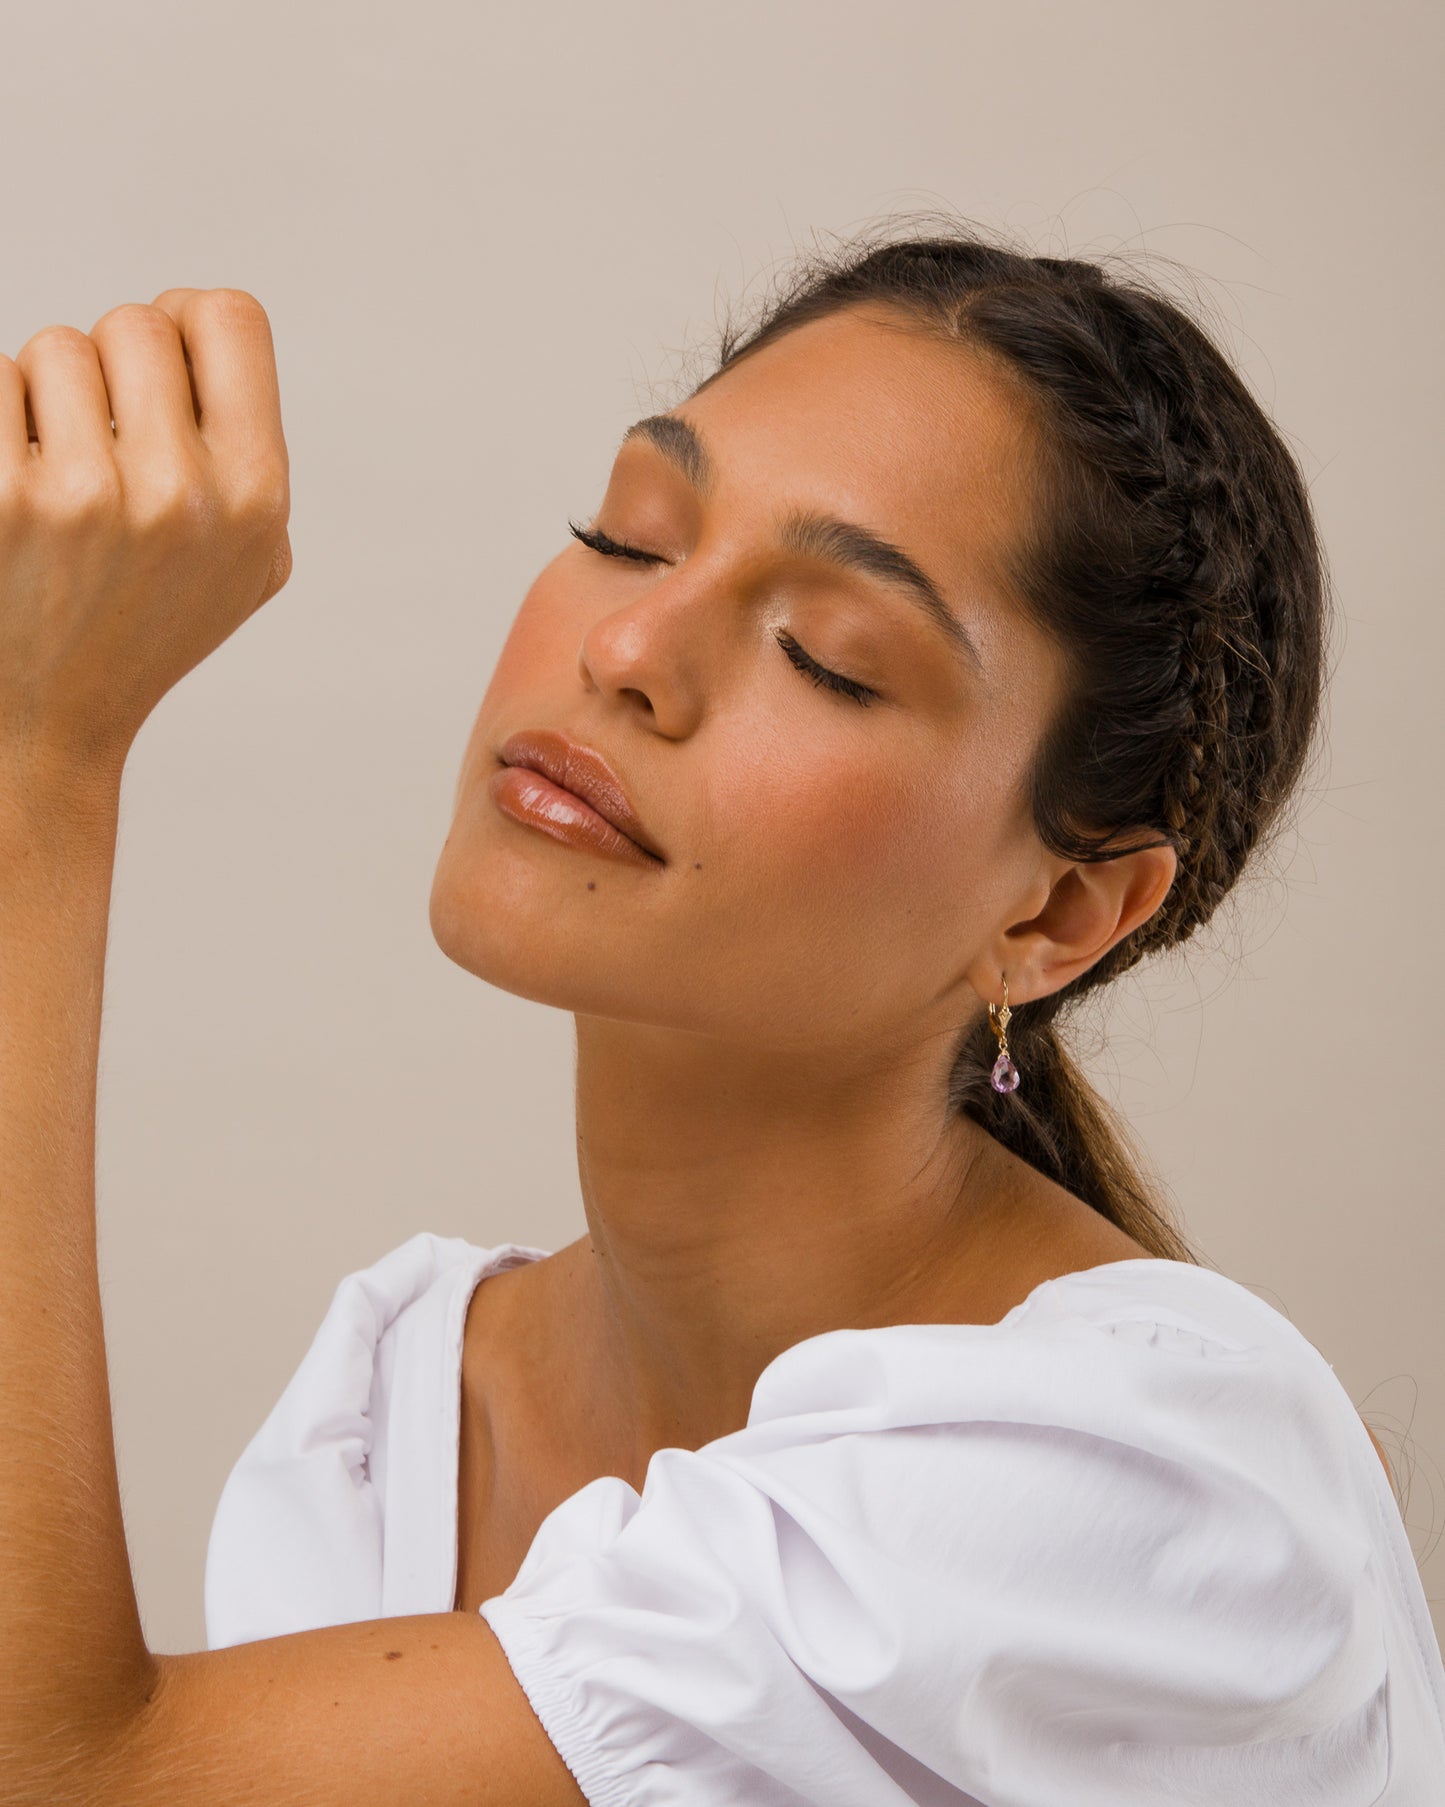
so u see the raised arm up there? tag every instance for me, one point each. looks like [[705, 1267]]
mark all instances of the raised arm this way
[[127, 554]]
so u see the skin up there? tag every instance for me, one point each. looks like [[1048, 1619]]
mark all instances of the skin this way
[[126, 556], [861, 879], [761, 1139]]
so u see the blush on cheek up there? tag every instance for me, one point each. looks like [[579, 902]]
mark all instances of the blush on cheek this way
[[848, 824], [888, 842]]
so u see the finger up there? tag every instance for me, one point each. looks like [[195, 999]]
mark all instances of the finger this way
[[14, 417], [143, 362], [169, 300], [233, 365], [68, 399]]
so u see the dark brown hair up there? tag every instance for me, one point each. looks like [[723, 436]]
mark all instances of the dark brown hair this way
[[1173, 555]]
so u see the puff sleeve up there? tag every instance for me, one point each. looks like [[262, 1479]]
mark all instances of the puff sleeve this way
[[342, 1507], [1109, 1564]]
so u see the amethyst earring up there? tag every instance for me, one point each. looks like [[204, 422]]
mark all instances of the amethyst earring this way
[[1005, 1075]]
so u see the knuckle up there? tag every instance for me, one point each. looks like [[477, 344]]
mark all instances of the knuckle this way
[[232, 304], [82, 492], [137, 316], [275, 497], [261, 494], [56, 338], [175, 501]]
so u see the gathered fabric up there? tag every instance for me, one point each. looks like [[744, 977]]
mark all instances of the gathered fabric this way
[[1131, 1545]]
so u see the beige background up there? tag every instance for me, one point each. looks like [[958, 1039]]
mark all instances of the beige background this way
[[484, 234]]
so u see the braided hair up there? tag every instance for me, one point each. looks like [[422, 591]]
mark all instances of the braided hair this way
[[1173, 555]]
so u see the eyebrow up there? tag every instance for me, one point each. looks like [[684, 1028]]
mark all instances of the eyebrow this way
[[813, 535]]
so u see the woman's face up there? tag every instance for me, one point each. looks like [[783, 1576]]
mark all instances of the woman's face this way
[[835, 874]]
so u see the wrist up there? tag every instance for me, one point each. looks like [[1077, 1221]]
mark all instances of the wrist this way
[[50, 801]]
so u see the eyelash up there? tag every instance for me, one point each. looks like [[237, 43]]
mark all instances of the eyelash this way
[[810, 668]]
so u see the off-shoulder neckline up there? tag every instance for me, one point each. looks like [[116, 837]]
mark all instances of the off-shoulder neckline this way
[[511, 1254], [505, 1255]]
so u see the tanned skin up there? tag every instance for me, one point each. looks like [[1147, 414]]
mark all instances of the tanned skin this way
[[765, 1017]]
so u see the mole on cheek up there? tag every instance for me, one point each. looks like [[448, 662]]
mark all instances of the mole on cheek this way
[[592, 884], [392, 1655]]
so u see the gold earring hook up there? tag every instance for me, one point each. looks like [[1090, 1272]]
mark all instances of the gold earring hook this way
[[1005, 1075], [998, 1016]]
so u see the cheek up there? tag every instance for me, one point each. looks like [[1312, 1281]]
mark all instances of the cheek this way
[[528, 663], [866, 848], [533, 663]]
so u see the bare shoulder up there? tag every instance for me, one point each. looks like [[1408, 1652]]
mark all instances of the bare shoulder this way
[[1031, 1231]]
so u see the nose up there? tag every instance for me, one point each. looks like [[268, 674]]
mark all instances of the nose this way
[[656, 652]]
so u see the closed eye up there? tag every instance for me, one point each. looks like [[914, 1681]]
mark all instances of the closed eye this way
[[820, 674], [604, 542], [800, 659]]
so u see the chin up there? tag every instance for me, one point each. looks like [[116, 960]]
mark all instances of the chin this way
[[490, 917]]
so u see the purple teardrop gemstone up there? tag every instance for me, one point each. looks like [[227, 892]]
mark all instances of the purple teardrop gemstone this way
[[1005, 1075]]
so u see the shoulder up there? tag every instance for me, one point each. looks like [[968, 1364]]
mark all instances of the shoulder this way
[[299, 1534], [1096, 1519], [1161, 1392]]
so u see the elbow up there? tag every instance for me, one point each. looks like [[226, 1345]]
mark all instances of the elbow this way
[[73, 1753]]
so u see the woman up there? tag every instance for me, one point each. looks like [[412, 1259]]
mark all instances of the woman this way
[[946, 651]]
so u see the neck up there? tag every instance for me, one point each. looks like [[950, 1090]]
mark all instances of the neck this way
[[736, 1205]]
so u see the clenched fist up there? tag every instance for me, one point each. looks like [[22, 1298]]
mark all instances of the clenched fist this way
[[130, 551]]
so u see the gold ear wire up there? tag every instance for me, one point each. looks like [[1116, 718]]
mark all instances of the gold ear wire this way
[[1005, 1075]]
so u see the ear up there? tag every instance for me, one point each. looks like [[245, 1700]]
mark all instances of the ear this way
[[1090, 905]]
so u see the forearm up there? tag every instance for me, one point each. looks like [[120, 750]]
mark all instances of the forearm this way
[[72, 1654]]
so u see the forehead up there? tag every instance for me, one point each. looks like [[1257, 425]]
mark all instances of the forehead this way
[[868, 414]]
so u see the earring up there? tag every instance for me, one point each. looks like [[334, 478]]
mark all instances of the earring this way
[[1005, 1075]]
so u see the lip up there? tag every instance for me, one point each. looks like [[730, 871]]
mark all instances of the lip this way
[[575, 795]]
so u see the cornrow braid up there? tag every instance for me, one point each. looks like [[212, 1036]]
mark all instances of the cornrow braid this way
[[1172, 554]]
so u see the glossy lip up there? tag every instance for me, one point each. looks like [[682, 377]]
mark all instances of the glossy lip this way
[[582, 771]]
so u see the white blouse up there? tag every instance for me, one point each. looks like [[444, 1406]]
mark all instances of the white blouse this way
[[1130, 1546]]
